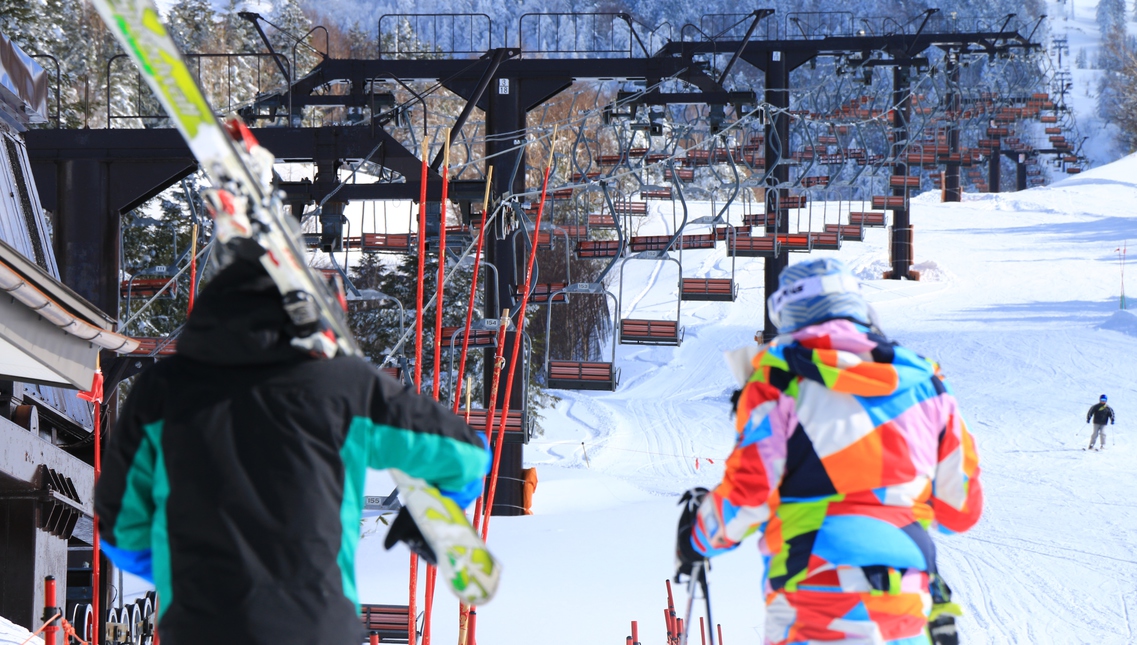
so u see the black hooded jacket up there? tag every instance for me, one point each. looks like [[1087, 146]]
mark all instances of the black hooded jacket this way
[[235, 474], [1101, 414]]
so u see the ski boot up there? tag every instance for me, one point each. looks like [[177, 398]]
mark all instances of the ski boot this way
[[941, 622]]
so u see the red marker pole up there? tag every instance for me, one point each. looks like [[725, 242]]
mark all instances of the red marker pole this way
[[193, 270], [412, 638], [50, 612], [95, 396]]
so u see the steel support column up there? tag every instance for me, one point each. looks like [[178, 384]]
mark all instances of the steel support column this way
[[505, 134], [951, 189], [777, 158], [995, 165], [87, 233], [901, 247]]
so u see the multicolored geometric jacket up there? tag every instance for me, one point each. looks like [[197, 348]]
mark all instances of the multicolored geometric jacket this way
[[849, 448]]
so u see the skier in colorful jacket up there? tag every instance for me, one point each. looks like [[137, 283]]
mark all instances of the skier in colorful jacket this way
[[1101, 414], [234, 477], [849, 448]]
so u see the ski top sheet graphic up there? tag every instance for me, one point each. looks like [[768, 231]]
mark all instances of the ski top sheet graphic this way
[[235, 165], [463, 560], [244, 205]]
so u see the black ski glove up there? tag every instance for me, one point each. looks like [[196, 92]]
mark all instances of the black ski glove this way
[[685, 554], [404, 529]]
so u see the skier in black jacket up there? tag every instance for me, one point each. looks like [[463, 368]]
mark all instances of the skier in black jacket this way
[[235, 474], [1101, 413]]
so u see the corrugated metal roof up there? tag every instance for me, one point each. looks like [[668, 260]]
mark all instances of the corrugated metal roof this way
[[24, 227]]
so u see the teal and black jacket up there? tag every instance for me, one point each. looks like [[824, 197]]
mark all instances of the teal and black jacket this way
[[235, 473]]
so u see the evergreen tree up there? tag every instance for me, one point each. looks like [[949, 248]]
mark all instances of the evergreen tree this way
[[292, 39], [157, 239], [1111, 16], [190, 23]]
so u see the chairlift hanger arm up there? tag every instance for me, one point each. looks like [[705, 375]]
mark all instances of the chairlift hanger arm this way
[[758, 16], [255, 19], [495, 60]]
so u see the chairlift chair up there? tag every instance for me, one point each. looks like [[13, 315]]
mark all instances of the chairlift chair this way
[[642, 331], [710, 289], [582, 375], [518, 423]]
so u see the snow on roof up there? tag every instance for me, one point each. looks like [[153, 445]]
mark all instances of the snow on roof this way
[[13, 634]]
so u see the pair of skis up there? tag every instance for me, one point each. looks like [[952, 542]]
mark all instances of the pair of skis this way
[[245, 205]]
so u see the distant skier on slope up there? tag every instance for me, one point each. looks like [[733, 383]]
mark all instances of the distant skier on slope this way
[[849, 448], [1101, 414], [234, 478]]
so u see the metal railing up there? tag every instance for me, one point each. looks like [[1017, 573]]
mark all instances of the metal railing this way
[[552, 35], [224, 79], [58, 84], [426, 35]]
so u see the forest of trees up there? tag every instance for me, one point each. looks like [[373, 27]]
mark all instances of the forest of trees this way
[[71, 32]]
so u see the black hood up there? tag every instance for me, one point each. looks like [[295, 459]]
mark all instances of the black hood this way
[[239, 319]]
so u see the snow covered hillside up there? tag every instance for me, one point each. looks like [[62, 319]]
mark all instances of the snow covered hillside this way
[[1018, 289]]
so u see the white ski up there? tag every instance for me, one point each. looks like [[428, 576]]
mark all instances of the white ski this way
[[245, 205], [464, 561]]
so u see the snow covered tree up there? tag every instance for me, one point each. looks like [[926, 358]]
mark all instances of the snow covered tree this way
[[190, 22], [1111, 16], [291, 38], [1117, 98]]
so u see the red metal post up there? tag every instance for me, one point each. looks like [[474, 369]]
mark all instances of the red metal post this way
[[635, 633], [412, 637], [193, 269], [413, 586], [421, 269], [431, 575], [670, 626], [720, 633], [671, 613], [517, 338], [431, 571], [473, 293], [702, 630], [374, 639], [679, 631], [438, 300], [50, 612], [96, 556], [498, 363]]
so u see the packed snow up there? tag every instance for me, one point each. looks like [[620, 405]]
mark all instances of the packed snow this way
[[1019, 303]]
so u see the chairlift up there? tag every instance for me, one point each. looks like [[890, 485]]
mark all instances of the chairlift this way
[[638, 331], [154, 282], [709, 289], [582, 375], [386, 242], [518, 422]]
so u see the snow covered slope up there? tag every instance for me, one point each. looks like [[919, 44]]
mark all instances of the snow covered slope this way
[[1018, 286]]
